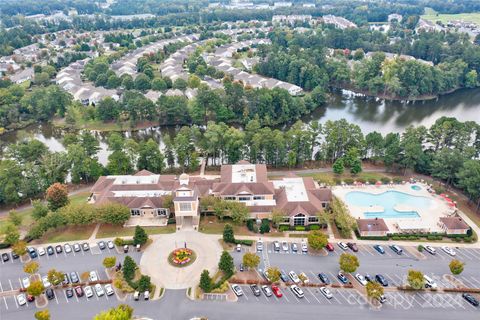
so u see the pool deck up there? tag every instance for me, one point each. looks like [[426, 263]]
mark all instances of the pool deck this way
[[429, 217]]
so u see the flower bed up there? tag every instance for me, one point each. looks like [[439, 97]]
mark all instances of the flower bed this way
[[182, 257]]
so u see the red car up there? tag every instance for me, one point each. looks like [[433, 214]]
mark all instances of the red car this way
[[276, 291], [329, 247], [30, 298]]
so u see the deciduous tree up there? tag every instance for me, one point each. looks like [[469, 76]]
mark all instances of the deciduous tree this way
[[348, 262], [109, 262], [415, 279], [31, 267], [57, 196], [273, 274], [456, 266], [317, 240], [250, 260]]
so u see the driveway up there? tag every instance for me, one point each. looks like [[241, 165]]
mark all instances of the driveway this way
[[154, 261]]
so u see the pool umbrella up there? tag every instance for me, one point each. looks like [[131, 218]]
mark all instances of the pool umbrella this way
[[449, 200], [451, 204], [378, 183]]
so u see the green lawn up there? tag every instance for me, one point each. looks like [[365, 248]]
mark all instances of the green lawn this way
[[432, 15], [68, 234], [330, 177], [112, 231]]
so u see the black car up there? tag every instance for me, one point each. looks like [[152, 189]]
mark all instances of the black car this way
[[15, 256], [32, 253], [255, 290], [59, 249], [284, 276], [471, 299], [65, 279], [69, 292], [381, 279], [368, 278], [323, 277], [5, 257], [353, 246], [50, 250], [74, 277], [50, 294], [102, 245]]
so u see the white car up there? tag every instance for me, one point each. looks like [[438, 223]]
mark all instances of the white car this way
[[326, 292], [430, 249], [26, 282], [239, 247], [110, 245], [343, 245], [429, 283], [361, 279], [237, 290], [22, 300], [109, 289], [93, 276], [259, 245], [88, 291], [76, 247], [46, 283], [285, 246], [41, 251], [297, 291], [304, 278], [267, 291], [99, 290], [304, 247], [449, 251], [68, 248], [294, 277]]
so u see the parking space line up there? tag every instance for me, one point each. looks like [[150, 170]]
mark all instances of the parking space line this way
[[368, 248], [399, 278], [5, 300], [475, 280], [334, 277], [65, 294], [56, 299], [10, 282], [466, 252], [15, 300], [420, 296], [466, 281], [76, 297], [308, 289], [475, 252]]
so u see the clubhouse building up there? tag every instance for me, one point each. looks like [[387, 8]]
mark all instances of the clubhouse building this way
[[151, 197]]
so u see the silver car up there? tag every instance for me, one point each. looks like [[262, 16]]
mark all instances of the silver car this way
[[88, 291], [99, 290], [326, 293]]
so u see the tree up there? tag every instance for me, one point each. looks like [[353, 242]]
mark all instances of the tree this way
[[456, 266], [109, 262], [142, 82], [31, 267], [226, 263], [150, 158], [250, 260], [20, 248], [12, 235], [57, 196], [129, 267], [348, 262], [140, 236], [55, 277], [113, 213], [338, 166], [40, 210], [15, 218], [122, 312], [238, 212], [415, 279], [469, 180], [144, 283], [273, 274], [205, 281], [317, 240], [36, 288], [42, 315], [374, 290], [278, 216], [265, 226], [228, 235]]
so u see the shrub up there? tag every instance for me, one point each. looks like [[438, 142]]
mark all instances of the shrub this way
[[397, 180], [385, 180], [314, 227], [265, 226], [244, 242], [283, 228], [250, 224], [420, 248], [372, 180], [348, 180], [299, 228]]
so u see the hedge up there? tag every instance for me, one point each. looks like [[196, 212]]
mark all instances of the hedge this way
[[244, 242]]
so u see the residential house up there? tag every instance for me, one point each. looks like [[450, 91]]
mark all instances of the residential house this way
[[372, 227]]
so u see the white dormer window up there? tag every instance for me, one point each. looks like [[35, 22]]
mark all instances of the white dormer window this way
[[185, 206]]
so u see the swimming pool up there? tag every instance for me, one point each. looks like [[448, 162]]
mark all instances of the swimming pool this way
[[416, 188], [388, 200]]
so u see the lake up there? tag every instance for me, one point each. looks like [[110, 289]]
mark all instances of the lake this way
[[370, 114]]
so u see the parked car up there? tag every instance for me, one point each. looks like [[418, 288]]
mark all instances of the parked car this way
[[110, 244], [239, 247], [76, 247], [74, 277], [41, 251], [146, 295], [429, 283], [294, 277], [237, 290], [368, 278], [50, 250], [241, 267], [99, 290], [136, 296], [381, 279], [353, 246], [79, 291], [266, 275], [284, 246], [68, 248], [46, 283], [85, 246], [343, 245], [379, 248], [304, 247], [276, 246], [303, 277], [32, 252], [324, 278], [449, 251], [109, 289], [283, 276], [329, 247], [382, 299], [93, 276], [58, 249], [69, 292], [5, 257], [361, 279], [294, 247], [396, 249], [102, 245], [26, 282], [342, 278], [430, 250], [266, 290], [125, 249], [88, 291], [50, 294], [326, 293], [276, 291], [22, 300], [255, 290], [471, 299], [297, 291], [30, 298], [14, 255], [66, 280], [259, 245]]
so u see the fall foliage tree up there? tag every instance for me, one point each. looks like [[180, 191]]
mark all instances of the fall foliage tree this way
[[57, 196]]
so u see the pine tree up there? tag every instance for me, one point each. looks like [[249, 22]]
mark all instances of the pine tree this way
[[129, 267], [140, 236], [226, 263], [205, 281], [228, 235]]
